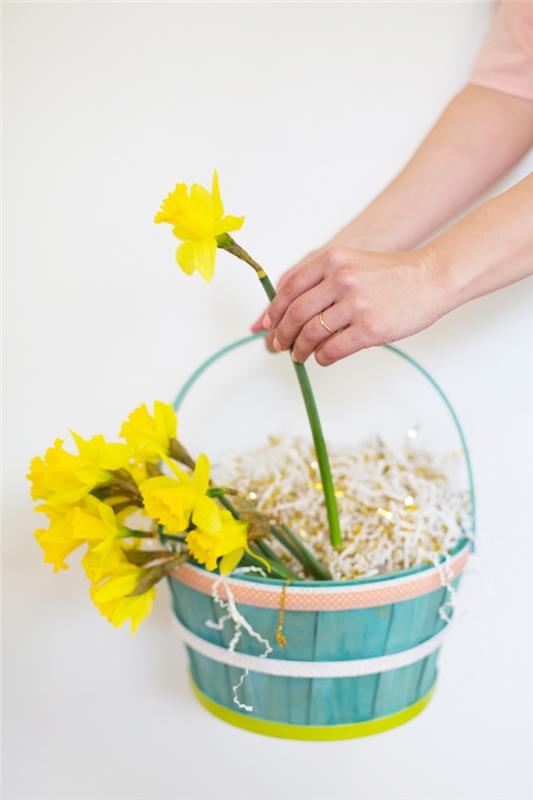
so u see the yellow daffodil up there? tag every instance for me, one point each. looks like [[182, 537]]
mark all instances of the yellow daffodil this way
[[227, 544], [95, 523], [57, 541], [113, 579], [117, 608], [172, 501], [91, 522], [197, 218], [98, 565], [62, 478], [150, 434]]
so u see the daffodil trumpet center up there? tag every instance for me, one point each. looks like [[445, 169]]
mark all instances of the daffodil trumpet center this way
[[226, 242]]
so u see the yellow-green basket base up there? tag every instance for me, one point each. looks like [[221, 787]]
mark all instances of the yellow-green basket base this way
[[322, 733]]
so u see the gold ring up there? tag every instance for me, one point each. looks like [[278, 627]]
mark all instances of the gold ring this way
[[324, 323]]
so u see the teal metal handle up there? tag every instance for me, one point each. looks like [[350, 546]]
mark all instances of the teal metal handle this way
[[191, 380]]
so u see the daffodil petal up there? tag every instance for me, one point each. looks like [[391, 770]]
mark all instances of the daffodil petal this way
[[182, 476], [185, 257], [229, 223], [206, 515], [166, 414], [217, 200], [201, 473], [230, 561], [198, 256], [116, 587]]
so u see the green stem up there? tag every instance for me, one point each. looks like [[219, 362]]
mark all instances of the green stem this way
[[226, 242], [300, 551], [277, 568], [228, 505], [298, 554], [267, 551]]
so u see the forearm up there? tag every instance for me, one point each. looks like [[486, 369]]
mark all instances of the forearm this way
[[479, 136], [489, 248]]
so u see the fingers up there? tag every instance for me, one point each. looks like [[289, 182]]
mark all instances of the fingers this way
[[301, 311], [313, 333], [269, 342], [257, 327], [352, 339], [258, 324], [300, 281], [302, 263]]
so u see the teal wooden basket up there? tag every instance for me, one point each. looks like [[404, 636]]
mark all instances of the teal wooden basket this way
[[361, 655]]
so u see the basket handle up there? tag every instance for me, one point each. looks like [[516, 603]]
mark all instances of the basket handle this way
[[191, 380]]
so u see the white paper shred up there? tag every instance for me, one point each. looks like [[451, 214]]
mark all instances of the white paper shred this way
[[398, 508]]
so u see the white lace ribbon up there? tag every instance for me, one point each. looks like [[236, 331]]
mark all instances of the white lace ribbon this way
[[311, 669]]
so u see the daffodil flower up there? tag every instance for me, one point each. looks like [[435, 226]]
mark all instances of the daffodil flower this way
[[149, 434], [95, 523], [173, 501], [223, 548], [197, 217], [63, 479], [92, 522], [57, 540], [113, 580]]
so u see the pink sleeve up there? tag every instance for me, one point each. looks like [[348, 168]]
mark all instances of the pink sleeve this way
[[505, 61]]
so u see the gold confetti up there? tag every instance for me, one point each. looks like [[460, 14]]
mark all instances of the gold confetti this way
[[280, 637]]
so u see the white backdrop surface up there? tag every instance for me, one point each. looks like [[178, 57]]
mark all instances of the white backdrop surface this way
[[306, 110]]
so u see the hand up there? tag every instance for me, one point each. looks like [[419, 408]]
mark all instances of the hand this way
[[366, 299], [258, 324]]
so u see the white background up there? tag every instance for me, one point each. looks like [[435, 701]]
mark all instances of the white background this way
[[306, 110]]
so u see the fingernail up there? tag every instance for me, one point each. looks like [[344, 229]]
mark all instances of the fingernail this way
[[267, 322], [296, 358], [275, 344]]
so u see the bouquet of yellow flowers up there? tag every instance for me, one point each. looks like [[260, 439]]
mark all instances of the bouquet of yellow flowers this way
[[143, 505]]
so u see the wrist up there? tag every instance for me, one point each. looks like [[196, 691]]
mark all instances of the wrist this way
[[438, 278], [454, 269], [358, 235]]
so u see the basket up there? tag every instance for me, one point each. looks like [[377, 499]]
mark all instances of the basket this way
[[361, 655]]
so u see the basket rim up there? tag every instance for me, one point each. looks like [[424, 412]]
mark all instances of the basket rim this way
[[463, 543]]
